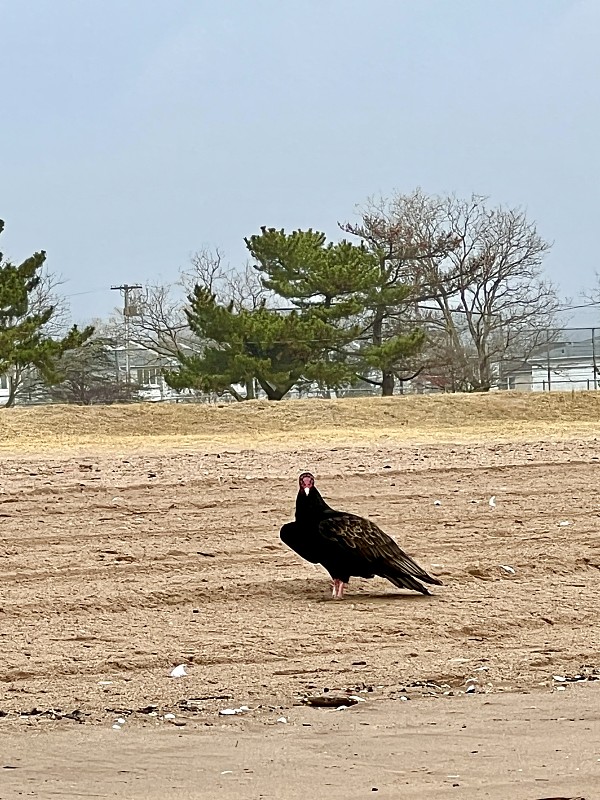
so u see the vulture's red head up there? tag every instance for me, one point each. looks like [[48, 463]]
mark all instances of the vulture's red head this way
[[306, 481]]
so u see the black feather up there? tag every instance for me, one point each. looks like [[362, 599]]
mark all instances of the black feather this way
[[347, 545]]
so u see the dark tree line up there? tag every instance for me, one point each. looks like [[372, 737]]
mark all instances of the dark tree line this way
[[437, 288], [422, 286]]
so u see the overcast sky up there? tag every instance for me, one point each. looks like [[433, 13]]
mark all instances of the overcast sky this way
[[136, 131]]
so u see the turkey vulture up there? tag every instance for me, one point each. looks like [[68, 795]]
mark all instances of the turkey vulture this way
[[346, 544]]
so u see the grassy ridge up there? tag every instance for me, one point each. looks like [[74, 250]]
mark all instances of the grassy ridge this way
[[314, 420]]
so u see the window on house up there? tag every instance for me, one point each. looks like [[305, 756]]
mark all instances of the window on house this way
[[4, 382], [148, 376], [510, 382]]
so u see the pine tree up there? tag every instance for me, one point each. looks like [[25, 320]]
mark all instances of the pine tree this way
[[24, 342], [277, 350], [333, 335], [347, 285]]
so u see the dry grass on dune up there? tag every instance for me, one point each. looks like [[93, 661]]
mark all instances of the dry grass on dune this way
[[261, 422]]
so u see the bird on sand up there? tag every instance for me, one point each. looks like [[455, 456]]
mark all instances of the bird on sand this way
[[346, 544]]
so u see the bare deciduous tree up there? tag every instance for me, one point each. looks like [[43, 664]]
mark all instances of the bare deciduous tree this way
[[502, 306], [592, 295], [159, 322], [406, 237], [476, 279], [208, 269]]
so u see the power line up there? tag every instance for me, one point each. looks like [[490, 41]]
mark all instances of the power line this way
[[584, 305], [307, 305], [427, 308], [88, 291]]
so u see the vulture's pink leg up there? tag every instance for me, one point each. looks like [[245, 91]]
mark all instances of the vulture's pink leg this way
[[338, 589]]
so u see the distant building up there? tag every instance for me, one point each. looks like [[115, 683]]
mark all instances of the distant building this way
[[146, 374], [146, 370], [564, 365], [5, 387]]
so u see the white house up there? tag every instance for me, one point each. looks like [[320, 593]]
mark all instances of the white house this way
[[5, 381], [564, 366]]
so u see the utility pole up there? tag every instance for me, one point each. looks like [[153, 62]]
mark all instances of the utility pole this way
[[127, 313], [594, 358], [548, 370]]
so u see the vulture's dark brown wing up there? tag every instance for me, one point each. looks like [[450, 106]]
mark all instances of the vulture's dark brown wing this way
[[361, 539], [296, 538]]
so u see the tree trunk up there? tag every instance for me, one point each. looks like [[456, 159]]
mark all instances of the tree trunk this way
[[250, 390], [235, 394], [387, 384], [274, 392], [12, 394], [387, 378], [484, 368]]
